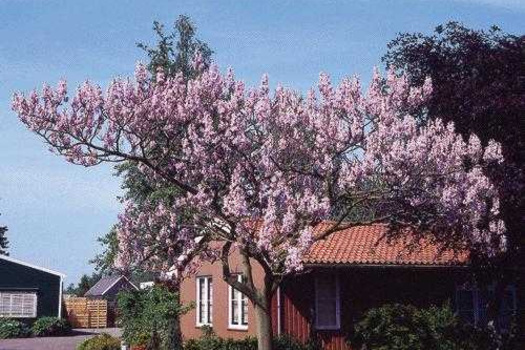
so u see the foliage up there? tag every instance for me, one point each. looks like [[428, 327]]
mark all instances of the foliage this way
[[85, 284], [210, 341], [149, 315], [286, 342], [172, 58], [10, 328], [100, 342], [482, 67], [173, 53], [478, 83], [405, 327], [4, 243], [104, 261], [50, 327]]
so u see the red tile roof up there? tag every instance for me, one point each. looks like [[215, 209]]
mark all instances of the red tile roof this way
[[363, 245]]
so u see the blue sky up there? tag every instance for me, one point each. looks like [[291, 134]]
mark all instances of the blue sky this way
[[55, 210]]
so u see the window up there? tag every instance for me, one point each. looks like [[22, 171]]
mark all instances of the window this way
[[465, 305], [237, 307], [327, 303], [507, 309], [472, 304], [204, 301], [18, 304]]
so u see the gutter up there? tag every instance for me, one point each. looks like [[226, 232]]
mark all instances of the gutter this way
[[60, 296], [387, 266]]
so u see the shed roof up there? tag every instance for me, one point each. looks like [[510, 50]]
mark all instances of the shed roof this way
[[104, 284]]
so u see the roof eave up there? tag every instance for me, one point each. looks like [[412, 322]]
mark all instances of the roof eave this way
[[392, 265], [43, 269]]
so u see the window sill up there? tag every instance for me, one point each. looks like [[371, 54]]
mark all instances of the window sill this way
[[203, 325], [328, 329], [238, 328]]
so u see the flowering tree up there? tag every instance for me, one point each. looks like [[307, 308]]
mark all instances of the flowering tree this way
[[257, 171]]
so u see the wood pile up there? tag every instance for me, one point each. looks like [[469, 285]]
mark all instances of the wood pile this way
[[86, 312]]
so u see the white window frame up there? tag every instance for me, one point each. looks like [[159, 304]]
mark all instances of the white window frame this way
[[336, 326], [475, 299], [208, 298], [241, 299], [31, 296]]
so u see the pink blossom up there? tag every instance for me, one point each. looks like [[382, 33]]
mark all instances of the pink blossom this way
[[239, 154]]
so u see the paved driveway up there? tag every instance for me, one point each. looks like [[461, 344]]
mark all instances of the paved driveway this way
[[55, 343]]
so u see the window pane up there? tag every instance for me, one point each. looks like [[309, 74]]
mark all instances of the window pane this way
[[200, 299], [6, 304], [326, 302], [326, 314], [507, 310], [244, 319], [210, 300], [465, 300], [484, 297], [326, 287], [235, 311], [507, 304]]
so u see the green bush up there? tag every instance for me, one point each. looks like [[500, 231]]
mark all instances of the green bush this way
[[100, 342], [150, 317], [50, 327], [10, 328], [405, 327], [209, 341], [287, 342]]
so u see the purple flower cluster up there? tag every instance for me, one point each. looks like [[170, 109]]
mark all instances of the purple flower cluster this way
[[261, 169]]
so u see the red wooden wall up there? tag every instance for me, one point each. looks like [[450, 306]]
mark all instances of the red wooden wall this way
[[360, 289]]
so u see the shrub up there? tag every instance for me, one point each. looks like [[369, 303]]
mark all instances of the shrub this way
[[50, 327], [405, 327], [150, 317], [287, 342], [100, 342], [209, 341], [10, 328], [212, 342]]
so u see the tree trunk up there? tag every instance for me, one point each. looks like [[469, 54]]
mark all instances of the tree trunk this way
[[263, 318], [175, 336]]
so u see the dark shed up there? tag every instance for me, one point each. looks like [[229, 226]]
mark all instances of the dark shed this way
[[28, 291], [109, 286]]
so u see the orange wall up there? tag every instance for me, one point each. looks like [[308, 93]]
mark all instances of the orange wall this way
[[220, 301]]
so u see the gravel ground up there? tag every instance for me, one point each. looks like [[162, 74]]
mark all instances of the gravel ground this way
[[55, 343]]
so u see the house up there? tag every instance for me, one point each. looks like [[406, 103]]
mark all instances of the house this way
[[345, 274], [28, 291], [109, 286]]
